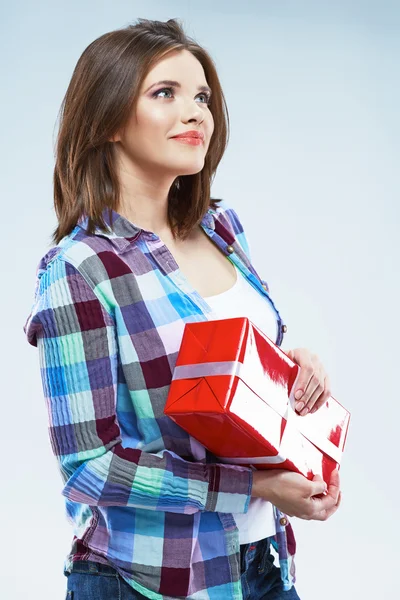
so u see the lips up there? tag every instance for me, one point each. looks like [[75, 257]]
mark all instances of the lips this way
[[190, 134]]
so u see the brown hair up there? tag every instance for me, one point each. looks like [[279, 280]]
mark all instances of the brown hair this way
[[101, 94]]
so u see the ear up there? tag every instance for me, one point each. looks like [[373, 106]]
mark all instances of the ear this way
[[115, 138]]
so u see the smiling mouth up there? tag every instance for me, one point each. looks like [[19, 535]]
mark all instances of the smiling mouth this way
[[192, 141]]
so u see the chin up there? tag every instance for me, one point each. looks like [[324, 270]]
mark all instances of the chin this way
[[191, 169]]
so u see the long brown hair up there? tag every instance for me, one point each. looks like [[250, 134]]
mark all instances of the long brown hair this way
[[102, 92]]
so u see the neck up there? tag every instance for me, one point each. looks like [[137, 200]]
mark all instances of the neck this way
[[144, 196]]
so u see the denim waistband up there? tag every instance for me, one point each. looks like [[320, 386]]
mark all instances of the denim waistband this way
[[254, 546], [93, 568]]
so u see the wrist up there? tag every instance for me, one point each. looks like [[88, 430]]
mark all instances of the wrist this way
[[263, 484]]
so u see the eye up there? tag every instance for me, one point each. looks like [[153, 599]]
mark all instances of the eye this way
[[170, 90], [162, 90], [207, 96]]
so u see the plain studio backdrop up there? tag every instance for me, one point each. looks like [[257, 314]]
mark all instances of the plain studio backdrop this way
[[312, 169]]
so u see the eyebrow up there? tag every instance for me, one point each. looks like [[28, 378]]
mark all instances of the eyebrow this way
[[201, 88]]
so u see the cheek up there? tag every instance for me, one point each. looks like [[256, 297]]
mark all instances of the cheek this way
[[210, 124], [154, 119]]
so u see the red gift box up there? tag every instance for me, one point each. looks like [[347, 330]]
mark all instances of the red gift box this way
[[232, 391]]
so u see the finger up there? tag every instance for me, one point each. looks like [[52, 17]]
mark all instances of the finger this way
[[334, 480], [319, 390], [314, 391], [333, 489], [306, 374], [334, 485], [319, 404], [323, 515], [324, 397], [318, 486], [322, 506], [328, 512]]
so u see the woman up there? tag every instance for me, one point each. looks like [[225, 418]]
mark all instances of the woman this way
[[141, 249]]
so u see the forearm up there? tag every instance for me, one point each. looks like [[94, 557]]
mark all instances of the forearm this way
[[127, 477], [263, 483]]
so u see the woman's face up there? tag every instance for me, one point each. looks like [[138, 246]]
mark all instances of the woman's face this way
[[147, 142]]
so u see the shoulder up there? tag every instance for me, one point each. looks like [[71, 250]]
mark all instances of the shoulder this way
[[88, 257], [228, 216], [224, 211], [69, 277]]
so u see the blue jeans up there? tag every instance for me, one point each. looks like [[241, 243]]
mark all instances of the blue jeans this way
[[260, 578]]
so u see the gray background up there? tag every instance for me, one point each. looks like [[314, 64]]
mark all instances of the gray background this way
[[312, 169]]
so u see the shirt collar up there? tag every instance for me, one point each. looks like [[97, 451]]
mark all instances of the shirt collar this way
[[124, 232]]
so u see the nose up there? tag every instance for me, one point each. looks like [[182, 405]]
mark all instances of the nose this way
[[198, 118], [193, 113]]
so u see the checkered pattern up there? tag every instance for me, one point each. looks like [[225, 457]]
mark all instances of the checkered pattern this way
[[143, 496]]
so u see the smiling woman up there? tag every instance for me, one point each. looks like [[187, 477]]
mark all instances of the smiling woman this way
[[132, 92], [163, 123], [141, 250]]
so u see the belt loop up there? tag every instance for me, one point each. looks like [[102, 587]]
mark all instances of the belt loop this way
[[93, 568]]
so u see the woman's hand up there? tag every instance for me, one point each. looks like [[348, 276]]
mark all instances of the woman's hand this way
[[313, 385], [297, 496]]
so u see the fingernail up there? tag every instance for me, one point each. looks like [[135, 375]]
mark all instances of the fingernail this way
[[305, 411], [298, 394], [299, 406], [313, 410]]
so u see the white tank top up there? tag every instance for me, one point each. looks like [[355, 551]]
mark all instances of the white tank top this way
[[242, 300]]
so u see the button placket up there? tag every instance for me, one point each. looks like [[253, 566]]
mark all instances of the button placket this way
[[236, 260]]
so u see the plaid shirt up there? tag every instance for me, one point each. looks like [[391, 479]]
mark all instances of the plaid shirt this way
[[142, 495]]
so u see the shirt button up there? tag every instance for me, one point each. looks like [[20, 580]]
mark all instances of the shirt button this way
[[283, 521], [284, 328], [230, 249]]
